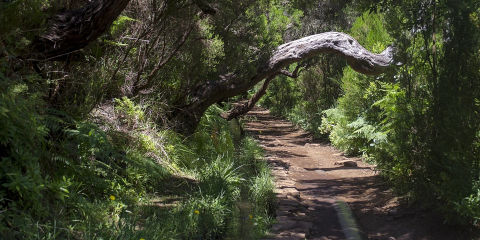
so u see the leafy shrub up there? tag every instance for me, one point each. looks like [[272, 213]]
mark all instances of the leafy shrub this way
[[262, 194], [221, 177], [204, 217], [129, 112]]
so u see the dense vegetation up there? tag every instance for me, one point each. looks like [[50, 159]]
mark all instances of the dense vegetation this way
[[89, 143], [86, 154]]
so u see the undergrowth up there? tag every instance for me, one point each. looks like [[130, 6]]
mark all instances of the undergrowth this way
[[116, 176]]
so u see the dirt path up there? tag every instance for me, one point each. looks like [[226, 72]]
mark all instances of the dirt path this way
[[309, 181]]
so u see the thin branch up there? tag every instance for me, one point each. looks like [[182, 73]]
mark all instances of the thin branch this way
[[293, 74], [127, 51], [240, 110], [182, 40]]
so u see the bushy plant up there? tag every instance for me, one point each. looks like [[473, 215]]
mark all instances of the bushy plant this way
[[204, 217], [128, 112], [353, 124]]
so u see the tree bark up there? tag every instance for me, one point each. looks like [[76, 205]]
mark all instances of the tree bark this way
[[229, 85], [205, 7], [70, 31]]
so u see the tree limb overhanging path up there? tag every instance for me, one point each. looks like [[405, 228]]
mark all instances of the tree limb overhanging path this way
[[70, 31], [230, 85]]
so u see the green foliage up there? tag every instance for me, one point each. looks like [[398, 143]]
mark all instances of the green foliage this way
[[22, 144], [80, 161], [469, 207], [373, 117], [369, 30], [262, 193], [120, 24], [282, 96], [128, 112], [229, 173], [204, 217], [273, 24], [221, 176], [24, 13]]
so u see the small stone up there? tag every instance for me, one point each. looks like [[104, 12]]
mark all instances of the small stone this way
[[393, 212], [298, 235], [289, 191], [300, 214], [347, 163]]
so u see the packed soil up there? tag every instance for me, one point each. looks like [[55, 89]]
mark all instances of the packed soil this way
[[311, 176]]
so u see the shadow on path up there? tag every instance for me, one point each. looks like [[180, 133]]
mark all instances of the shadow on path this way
[[309, 181]]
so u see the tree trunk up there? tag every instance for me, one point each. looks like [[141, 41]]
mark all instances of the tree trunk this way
[[360, 59], [70, 31]]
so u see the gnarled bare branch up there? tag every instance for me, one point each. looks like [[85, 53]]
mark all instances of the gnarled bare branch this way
[[359, 58], [229, 85]]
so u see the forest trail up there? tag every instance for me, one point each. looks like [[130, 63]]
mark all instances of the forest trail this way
[[309, 182]]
